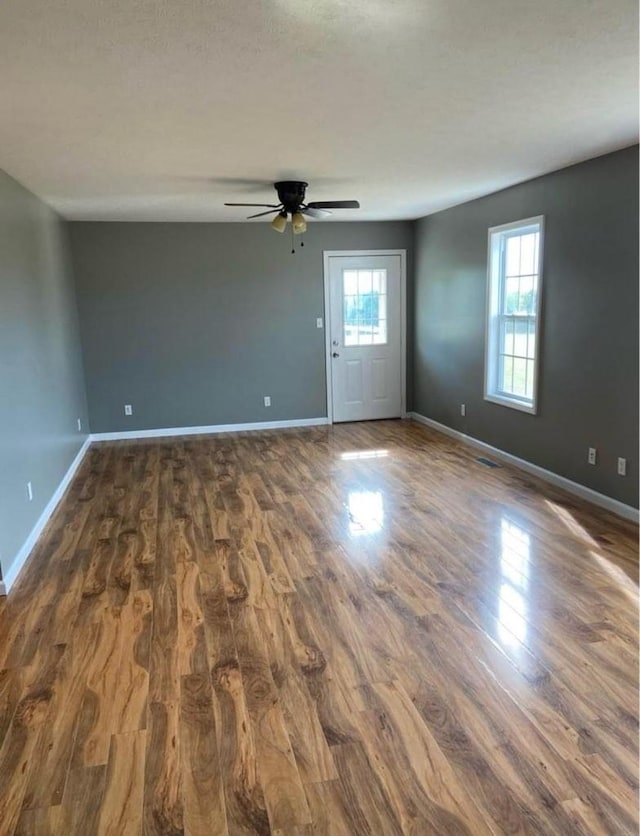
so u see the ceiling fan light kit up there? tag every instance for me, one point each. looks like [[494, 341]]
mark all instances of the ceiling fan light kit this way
[[291, 194], [298, 223], [279, 223]]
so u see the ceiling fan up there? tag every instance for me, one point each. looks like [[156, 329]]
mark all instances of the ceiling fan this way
[[291, 194]]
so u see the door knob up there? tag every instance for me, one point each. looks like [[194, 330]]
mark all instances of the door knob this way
[[335, 354]]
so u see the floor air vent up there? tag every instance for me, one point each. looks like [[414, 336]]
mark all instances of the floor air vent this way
[[487, 462]]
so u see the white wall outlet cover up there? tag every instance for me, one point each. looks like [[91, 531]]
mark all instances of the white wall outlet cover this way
[[29, 491], [622, 467], [79, 425], [319, 322], [267, 400], [463, 409], [591, 456], [128, 409]]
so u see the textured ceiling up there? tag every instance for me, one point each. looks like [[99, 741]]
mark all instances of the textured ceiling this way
[[148, 110]]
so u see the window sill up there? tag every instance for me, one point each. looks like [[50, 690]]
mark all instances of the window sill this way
[[502, 400]]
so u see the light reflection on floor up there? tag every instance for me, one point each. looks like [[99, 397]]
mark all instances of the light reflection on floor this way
[[366, 512], [515, 552], [619, 576], [571, 523], [625, 574], [352, 455]]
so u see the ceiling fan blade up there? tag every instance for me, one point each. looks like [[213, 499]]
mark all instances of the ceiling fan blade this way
[[315, 213], [334, 204], [270, 205], [268, 212]]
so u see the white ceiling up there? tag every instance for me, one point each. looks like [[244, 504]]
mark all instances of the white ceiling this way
[[149, 110]]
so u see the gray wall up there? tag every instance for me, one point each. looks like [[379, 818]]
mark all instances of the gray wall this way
[[588, 393], [193, 324], [41, 380]]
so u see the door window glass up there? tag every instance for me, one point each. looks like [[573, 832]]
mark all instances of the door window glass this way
[[364, 295]]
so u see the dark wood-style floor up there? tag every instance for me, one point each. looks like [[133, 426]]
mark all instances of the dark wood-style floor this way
[[347, 630]]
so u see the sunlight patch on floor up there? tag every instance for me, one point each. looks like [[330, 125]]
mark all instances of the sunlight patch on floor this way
[[352, 455], [571, 523]]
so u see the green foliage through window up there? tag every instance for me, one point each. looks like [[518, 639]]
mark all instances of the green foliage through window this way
[[363, 309]]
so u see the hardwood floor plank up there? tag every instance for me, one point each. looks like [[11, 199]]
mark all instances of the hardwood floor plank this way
[[203, 791], [310, 748], [15, 756], [331, 814], [47, 783], [368, 808], [124, 785], [95, 723], [164, 676], [130, 700], [11, 687], [40, 821], [191, 649], [281, 784], [424, 777], [163, 810], [82, 802], [244, 797]]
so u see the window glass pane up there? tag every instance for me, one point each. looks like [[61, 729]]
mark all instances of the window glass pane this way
[[350, 308], [520, 339], [530, 376], [365, 281], [527, 296], [365, 307], [507, 337], [507, 374], [519, 377], [527, 253], [504, 383], [350, 280], [350, 316], [532, 340], [511, 294], [379, 281], [512, 256]]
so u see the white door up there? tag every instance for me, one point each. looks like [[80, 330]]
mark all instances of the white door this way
[[365, 336]]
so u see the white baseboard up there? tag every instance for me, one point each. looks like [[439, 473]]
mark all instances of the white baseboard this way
[[210, 430], [20, 559], [619, 508]]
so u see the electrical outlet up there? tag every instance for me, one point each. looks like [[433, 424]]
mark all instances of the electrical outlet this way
[[319, 322], [128, 409], [79, 425], [622, 467], [463, 409], [267, 400], [591, 457], [29, 491]]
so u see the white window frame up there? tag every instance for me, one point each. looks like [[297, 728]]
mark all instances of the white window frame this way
[[495, 278]]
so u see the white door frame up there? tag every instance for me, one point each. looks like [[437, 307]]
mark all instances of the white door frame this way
[[326, 255]]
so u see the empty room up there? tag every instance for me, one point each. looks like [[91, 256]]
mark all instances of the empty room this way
[[319, 417]]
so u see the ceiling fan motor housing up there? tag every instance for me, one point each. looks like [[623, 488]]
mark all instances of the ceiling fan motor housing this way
[[291, 194]]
